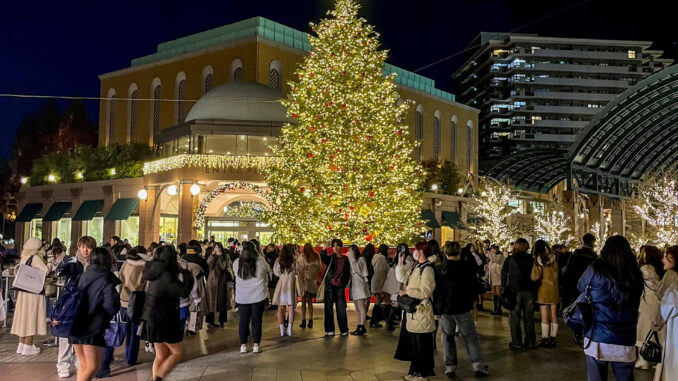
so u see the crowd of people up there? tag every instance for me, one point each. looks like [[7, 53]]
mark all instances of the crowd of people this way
[[162, 294]]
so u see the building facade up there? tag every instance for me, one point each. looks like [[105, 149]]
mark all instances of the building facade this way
[[209, 104], [540, 92]]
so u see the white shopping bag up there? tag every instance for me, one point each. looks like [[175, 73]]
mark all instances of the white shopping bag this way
[[3, 308], [28, 278]]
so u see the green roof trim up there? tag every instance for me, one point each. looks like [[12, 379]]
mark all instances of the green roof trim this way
[[430, 218], [88, 209], [271, 30], [122, 209], [28, 212], [57, 211], [453, 220]]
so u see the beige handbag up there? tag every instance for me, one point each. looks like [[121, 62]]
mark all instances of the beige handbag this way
[[320, 297]]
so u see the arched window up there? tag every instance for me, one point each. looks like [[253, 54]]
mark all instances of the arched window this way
[[275, 75], [180, 96], [418, 131], [132, 118], [155, 110], [469, 146], [237, 73], [453, 139], [110, 133], [436, 135], [207, 79]]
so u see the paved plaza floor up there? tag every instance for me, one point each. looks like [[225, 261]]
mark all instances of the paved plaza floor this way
[[214, 354]]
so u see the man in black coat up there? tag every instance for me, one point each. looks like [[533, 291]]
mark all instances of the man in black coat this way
[[455, 292], [578, 262], [193, 255], [516, 273], [338, 274]]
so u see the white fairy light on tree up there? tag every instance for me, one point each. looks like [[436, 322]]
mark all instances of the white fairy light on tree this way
[[657, 203], [554, 226], [492, 211]]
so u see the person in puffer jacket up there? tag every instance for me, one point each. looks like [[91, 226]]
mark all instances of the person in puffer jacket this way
[[416, 338], [616, 285], [100, 302]]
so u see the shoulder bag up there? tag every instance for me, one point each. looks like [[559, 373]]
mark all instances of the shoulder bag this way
[[320, 297], [115, 333], [651, 351], [406, 302], [579, 315]]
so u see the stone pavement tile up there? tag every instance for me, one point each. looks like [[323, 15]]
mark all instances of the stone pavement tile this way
[[339, 378], [264, 374], [360, 376], [215, 373], [313, 375], [30, 372], [288, 374]]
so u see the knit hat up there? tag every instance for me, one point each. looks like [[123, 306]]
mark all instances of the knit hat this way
[[32, 244]]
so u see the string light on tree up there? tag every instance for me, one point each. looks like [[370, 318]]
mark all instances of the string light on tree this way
[[657, 203], [554, 226], [491, 213], [347, 169]]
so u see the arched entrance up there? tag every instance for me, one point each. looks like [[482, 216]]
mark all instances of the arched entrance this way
[[234, 210]]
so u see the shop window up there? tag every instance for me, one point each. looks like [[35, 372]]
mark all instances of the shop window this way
[[129, 229], [168, 229], [95, 229], [35, 228], [63, 231]]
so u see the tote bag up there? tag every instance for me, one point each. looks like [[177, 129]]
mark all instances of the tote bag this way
[[115, 333], [28, 278], [321, 290]]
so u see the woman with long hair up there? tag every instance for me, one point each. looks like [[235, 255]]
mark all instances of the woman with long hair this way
[[30, 309], [218, 298], [496, 258], [167, 283], [615, 284], [100, 302], [416, 340], [545, 270], [650, 263], [382, 299], [309, 268], [285, 294], [251, 277], [359, 290], [666, 323]]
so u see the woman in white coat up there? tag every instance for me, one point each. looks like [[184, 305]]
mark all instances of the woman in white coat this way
[[496, 258], [360, 289], [650, 263], [382, 299], [285, 294], [668, 295], [30, 312]]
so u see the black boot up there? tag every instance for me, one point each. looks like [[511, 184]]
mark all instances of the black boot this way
[[390, 320], [376, 316], [303, 323], [495, 300]]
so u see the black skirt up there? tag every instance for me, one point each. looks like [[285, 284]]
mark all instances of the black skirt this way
[[417, 348], [96, 340], [164, 331]]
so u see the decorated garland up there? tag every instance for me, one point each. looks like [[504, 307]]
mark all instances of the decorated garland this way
[[247, 209], [210, 161], [202, 207]]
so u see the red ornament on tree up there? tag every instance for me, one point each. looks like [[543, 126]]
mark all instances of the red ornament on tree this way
[[371, 194], [301, 189], [399, 132], [310, 155]]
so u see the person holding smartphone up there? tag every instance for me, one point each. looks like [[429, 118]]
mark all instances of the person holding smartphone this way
[[337, 275]]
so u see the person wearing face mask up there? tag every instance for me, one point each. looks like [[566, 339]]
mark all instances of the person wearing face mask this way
[[416, 339]]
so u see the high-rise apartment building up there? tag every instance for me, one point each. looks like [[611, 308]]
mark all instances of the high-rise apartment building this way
[[539, 92]]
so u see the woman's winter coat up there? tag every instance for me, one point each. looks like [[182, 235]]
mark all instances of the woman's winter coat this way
[[496, 262], [285, 293], [420, 282], [309, 275], [668, 296], [649, 304], [614, 321], [30, 312], [164, 290], [131, 274], [100, 301], [380, 265], [221, 272], [360, 289], [547, 273]]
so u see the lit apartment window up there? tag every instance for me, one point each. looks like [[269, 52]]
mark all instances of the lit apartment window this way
[[632, 54]]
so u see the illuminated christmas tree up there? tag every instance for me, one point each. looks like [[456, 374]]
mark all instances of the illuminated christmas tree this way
[[554, 226], [656, 202], [346, 162], [491, 213]]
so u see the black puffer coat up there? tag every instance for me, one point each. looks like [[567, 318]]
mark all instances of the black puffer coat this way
[[100, 301]]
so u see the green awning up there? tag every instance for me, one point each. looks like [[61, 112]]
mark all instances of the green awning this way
[[453, 220], [57, 211], [88, 209], [428, 216], [122, 209], [28, 212]]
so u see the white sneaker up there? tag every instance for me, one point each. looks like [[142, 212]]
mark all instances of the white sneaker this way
[[256, 348], [289, 330], [243, 348], [282, 330], [64, 374], [329, 334], [20, 348], [30, 350]]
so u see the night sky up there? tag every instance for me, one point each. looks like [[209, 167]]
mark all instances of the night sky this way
[[59, 48]]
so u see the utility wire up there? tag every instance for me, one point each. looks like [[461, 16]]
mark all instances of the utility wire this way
[[505, 34], [36, 96]]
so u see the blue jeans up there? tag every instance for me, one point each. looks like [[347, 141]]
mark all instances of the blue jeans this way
[[449, 324], [597, 370]]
